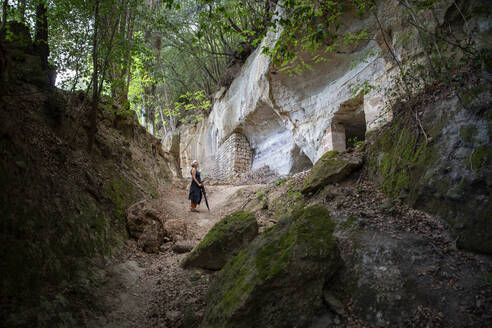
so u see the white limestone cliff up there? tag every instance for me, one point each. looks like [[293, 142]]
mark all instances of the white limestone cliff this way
[[291, 121]]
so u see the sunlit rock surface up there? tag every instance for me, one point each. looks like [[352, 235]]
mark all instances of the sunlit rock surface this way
[[287, 119], [290, 121]]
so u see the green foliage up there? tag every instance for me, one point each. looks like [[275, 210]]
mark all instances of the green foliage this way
[[359, 89], [287, 203], [280, 181], [312, 27]]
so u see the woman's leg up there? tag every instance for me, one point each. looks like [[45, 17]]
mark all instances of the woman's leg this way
[[192, 206]]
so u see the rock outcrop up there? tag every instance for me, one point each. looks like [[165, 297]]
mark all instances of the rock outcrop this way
[[449, 175], [400, 266], [224, 241], [331, 168], [290, 121], [278, 280]]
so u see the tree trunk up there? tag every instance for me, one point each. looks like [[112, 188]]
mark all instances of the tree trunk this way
[[5, 7], [95, 82], [128, 62], [41, 35], [22, 10]]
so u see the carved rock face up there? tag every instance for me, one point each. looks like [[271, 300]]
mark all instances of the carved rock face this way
[[285, 118]]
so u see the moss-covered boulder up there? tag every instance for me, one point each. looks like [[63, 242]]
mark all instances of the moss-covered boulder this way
[[224, 241], [330, 168], [278, 280]]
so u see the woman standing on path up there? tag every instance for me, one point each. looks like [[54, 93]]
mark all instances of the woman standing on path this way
[[195, 189]]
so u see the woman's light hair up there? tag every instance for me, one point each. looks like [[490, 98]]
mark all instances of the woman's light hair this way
[[194, 162]]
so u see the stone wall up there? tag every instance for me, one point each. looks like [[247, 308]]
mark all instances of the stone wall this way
[[233, 156]]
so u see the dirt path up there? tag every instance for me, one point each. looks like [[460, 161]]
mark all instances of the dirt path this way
[[152, 290]]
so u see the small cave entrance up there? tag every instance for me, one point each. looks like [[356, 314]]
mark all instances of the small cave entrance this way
[[348, 125]]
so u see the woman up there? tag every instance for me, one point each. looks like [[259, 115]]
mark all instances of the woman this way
[[195, 189]]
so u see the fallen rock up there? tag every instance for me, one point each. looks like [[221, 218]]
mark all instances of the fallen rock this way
[[144, 224], [330, 168], [224, 241], [183, 246], [176, 230], [277, 281], [139, 216], [152, 237]]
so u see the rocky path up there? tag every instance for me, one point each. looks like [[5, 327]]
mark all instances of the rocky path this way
[[152, 290]]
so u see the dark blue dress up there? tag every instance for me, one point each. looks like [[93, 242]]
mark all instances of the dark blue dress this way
[[195, 191]]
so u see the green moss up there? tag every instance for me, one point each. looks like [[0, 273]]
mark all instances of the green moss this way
[[436, 129], [242, 285], [312, 229], [481, 156], [287, 203], [330, 154], [330, 168], [225, 226], [280, 181], [121, 192], [348, 223], [468, 133], [370, 134], [470, 94], [400, 159], [294, 194], [301, 248]]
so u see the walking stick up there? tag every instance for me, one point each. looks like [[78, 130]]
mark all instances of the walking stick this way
[[205, 196]]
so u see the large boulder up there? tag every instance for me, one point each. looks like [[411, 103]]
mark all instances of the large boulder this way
[[176, 230], [278, 280], [144, 224], [151, 238], [332, 167], [224, 241], [139, 216], [183, 246]]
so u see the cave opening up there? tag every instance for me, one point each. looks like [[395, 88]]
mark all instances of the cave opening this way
[[349, 124]]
